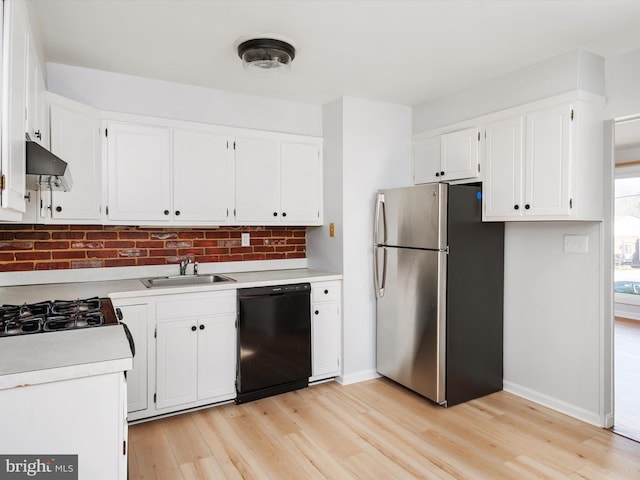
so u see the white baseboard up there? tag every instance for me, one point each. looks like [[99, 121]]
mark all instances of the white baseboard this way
[[555, 404], [608, 420], [357, 377]]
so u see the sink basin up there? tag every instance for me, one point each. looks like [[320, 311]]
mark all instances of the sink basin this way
[[184, 280]]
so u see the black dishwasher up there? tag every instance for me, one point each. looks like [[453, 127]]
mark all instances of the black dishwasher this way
[[274, 340]]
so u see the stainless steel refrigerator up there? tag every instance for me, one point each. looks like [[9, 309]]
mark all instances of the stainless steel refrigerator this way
[[438, 275]]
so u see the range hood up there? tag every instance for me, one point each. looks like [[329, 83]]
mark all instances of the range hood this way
[[45, 170]]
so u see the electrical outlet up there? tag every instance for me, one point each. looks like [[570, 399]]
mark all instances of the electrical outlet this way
[[246, 240]]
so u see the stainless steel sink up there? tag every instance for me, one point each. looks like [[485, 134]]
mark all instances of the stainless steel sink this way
[[185, 280]]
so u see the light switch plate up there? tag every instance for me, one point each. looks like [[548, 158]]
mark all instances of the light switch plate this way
[[576, 243]]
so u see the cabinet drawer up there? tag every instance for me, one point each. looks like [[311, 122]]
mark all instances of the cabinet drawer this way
[[196, 305], [325, 292]]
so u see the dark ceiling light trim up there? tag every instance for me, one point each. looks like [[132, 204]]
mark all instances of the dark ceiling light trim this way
[[262, 55]]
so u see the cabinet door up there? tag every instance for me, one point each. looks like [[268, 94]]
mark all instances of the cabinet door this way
[[36, 117], [502, 186], [426, 160], [301, 184], [547, 161], [14, 103], [257, 162], [217, 356], [176, 362], [202, 177], [34, 97], [139, 164], [75, 137], [460, 154], [135, 316], [325, 339]]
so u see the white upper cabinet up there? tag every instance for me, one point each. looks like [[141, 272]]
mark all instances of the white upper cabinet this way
[[14, 96], [448, 157], [257, 180], [503, 172], [546, 164], [426, 160], [75, 138], [36, 109], [278, 182], [301, 184], [548, 160], [202, 177], [460, 154], [139, 173], [179, 173]]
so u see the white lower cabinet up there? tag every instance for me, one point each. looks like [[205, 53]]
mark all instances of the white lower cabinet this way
[[176, 362], [196, 359], [195, 350], [135, 316], [83, 416], [186, 347], [326, 327]]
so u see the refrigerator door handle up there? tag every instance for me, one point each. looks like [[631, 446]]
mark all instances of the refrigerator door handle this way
[[379, 286], [376, 220]]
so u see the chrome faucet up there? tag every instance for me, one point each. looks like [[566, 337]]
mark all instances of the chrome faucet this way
[[183, 265]]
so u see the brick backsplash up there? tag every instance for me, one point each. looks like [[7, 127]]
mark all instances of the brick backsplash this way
[[53, 247]]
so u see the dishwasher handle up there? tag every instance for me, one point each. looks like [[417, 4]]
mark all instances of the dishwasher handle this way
[[275, 290]]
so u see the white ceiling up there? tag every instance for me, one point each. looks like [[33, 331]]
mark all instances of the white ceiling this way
[[399, 51]]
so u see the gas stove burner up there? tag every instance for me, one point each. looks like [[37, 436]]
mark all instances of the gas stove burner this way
[[55, 316], [21, 326], [16, 312], [64, 322], [75, 307]]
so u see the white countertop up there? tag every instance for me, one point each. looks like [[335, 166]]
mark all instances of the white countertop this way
[[134, 288], [54, 356]]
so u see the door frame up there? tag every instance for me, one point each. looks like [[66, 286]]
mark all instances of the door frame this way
[[607, 340]]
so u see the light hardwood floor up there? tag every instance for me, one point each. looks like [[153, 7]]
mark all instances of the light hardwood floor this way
[[377, 430], [627, 378]]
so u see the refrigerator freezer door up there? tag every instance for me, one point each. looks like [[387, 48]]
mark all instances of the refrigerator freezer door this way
[[411, 321], [413, 217]]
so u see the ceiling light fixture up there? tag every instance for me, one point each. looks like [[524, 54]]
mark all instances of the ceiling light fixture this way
[[264, 55]]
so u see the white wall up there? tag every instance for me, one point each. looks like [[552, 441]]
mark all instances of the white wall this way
[[370, 141], [325, 252], [143, 96], [575, 70], [552, 320], [622, 74], [554, 302]]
